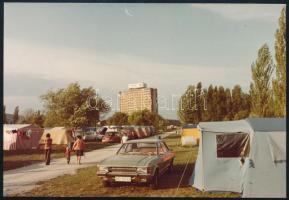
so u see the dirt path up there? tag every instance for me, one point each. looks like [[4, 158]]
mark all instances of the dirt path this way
[[26, 178]]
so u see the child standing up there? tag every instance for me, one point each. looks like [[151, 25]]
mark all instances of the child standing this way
[[67, 152], [79, 146]]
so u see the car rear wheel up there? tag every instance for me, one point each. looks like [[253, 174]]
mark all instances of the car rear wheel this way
[[155, 181]]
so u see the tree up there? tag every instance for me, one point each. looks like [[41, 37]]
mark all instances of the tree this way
[[39, 118], [246, 106], [260, 88], [4, 115], [73, 107], [236, 99], [205, 104], [16, 115], [199, 102], [187, 108], [215, 104], [222, 106], [118, 119], [208, 104], [229, 104], [147, 118], [279, 83], [33, 117], [28, 115]]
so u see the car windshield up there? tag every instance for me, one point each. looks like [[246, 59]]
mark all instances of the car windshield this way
[[138, 148]]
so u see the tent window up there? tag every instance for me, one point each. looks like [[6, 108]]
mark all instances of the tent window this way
[[233, 145]]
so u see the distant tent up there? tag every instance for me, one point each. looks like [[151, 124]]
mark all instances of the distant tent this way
[[59, 135], [21, 136], [245, 156], [190, 135]]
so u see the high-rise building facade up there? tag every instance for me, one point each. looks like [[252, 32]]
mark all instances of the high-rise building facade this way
[[138, 97]]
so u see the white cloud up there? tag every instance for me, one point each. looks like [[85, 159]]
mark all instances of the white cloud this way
[[115, 70], [266, 12], [107, 72]]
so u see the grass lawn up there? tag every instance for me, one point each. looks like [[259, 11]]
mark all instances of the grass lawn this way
[[86, 183], [19, 158]]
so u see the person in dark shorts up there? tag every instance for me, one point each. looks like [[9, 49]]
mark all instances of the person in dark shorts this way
[[79, 146], [48, 148]]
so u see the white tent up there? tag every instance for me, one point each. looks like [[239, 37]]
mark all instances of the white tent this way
[[262, 144]]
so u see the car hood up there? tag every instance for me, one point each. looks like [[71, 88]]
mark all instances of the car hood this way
[[128, 160]]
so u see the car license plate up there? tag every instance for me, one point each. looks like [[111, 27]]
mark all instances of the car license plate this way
[[122, 179]]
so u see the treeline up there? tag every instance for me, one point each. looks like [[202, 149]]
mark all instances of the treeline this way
[[30, 116], [70, 107], [214, 103], [266, 98], [138, 118], [81, 107]]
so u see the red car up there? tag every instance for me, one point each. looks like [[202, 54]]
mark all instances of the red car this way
[[111, 137]]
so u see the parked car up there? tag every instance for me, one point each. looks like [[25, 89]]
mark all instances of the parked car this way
[[100, 133], [90, 137], [111, 137], [137, 161], [99, 136]]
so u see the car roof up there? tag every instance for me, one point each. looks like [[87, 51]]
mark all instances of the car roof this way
[[150, 140]]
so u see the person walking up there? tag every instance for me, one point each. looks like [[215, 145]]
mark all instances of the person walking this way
[[79, 147], [124, 138], [68, 152], [48, 148]]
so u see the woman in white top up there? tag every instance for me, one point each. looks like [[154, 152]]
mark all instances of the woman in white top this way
[[124, 138]]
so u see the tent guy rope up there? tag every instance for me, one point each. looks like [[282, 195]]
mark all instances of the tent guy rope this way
[[190, 156]]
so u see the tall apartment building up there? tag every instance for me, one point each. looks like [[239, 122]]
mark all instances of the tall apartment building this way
[[138, 97]]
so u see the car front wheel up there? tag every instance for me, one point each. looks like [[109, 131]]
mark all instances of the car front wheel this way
[[155, 181]]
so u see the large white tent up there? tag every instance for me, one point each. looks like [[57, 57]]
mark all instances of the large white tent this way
[[245, 156]]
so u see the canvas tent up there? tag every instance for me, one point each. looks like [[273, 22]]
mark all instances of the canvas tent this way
[[245, 156], [21, 136], [59, 135]]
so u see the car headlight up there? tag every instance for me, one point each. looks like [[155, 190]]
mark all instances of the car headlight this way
[[102, 169], [142, 170]]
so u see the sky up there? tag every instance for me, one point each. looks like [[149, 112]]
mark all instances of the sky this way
[[107, 46]]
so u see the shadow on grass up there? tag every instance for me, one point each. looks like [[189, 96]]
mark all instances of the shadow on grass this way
[[171, 180], [8, 165]]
